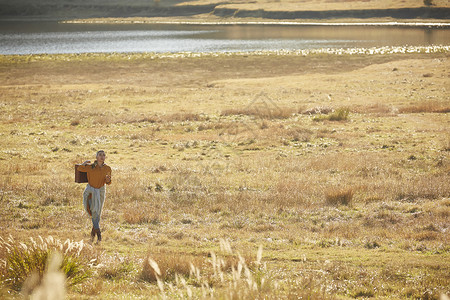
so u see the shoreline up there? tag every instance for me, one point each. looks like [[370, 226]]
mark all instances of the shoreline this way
[[281, 23], [14, 58]]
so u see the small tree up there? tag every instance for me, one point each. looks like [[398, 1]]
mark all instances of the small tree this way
[[428, 2]]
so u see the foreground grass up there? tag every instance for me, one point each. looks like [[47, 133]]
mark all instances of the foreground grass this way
[[241, 151]]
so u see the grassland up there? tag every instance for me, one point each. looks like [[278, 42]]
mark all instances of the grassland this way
[[337, 165]]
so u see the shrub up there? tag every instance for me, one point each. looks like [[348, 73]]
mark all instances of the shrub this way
[[20, 261]]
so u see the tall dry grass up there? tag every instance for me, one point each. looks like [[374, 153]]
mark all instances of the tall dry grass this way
[[262, 112], [51, 285], [26, 263], [225, 275], [426, 107]]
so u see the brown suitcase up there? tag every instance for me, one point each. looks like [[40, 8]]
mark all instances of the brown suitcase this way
[[80, 177]]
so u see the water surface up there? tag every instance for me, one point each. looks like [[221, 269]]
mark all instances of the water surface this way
[[52, 37]]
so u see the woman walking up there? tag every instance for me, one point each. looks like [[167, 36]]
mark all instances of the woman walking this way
[[98, 174]]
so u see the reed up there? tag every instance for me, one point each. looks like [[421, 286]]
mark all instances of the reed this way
[[22, 260]]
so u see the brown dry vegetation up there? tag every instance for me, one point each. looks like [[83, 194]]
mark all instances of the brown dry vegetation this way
[[226, 148]]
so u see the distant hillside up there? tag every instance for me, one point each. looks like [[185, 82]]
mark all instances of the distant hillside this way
[[318, 5], [329, 9], [65, 9], [270, 9]]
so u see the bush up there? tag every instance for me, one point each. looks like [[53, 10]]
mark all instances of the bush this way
[[20, 261]]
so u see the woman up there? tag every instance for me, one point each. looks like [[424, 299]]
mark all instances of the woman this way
[[94, 195]]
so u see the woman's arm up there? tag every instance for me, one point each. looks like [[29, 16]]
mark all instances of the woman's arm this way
[[84, 166]]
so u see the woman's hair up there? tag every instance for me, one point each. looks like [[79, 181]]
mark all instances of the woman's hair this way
[[95, 162]]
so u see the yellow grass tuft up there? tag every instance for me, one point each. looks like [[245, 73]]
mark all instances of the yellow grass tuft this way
[[339, 196], [340, 114]]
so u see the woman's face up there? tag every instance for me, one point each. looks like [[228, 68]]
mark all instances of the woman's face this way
[[101, 156]]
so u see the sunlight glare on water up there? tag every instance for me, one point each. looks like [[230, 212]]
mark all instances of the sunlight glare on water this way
[[47, 37]]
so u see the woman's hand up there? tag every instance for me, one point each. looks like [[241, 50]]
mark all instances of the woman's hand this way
[[86, 162], [108, 178]]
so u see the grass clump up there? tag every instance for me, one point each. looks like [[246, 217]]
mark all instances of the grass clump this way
[[117, 271], [20, 261], [142, 216], [372, 245], [362, 293], [340, 114], [169, 264], [339, 196]]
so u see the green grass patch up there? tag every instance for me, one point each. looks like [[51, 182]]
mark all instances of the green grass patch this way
[[341, 114]]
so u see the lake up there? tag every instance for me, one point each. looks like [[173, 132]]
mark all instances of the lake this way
[[52, 37]]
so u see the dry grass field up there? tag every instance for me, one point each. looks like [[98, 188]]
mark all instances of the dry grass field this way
[[241, 177]]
